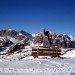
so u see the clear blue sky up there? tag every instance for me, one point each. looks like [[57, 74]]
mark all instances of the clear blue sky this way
[[31, 15]]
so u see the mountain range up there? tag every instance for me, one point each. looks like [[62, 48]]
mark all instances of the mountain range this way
[[43, 38], [10, 37], [54, 40]]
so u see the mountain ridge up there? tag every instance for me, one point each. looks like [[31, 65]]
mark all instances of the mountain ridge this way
[[14, 36], [54, 40], [47, 38]]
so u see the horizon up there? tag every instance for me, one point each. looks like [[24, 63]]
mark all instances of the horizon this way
[[29, 15], [37, 32]]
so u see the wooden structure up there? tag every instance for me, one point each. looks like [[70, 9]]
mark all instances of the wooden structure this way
[[45, 52]]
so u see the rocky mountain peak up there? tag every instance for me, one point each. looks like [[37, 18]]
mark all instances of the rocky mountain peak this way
[[7, 36], [54, 40], [42, 32], [4, 33]]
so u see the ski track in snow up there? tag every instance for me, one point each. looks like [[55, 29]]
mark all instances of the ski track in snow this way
[[38, 67]]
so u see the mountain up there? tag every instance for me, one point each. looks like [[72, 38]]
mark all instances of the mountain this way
[[43, 38], [10, 37], [16, 45], [54, 40]]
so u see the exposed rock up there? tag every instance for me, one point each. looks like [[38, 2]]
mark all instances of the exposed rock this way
[[9, 37], [53, 40], [46, 42], [42, 32], [8, 33]]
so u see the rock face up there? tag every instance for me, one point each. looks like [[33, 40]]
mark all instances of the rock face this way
[[4, 33], [53, 40], [46, 42], [10, 37], [42, 32]]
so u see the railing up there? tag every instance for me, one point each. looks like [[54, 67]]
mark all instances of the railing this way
[[45, 52]]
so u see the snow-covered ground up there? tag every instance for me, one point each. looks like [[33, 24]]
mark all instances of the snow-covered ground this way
[[41, 66], [69, 54], [14, 65], [16, 55]]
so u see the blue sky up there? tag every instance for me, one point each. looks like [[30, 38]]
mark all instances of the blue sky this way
[[31, 15]]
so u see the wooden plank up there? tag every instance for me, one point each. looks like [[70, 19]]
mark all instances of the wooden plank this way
[[46, 50], [45, 54]]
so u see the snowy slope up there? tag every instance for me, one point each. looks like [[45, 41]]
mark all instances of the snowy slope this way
[[69, 54], [56, 66], [12, 39]]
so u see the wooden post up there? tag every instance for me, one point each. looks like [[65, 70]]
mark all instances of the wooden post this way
[[56, 52], [37, 52]]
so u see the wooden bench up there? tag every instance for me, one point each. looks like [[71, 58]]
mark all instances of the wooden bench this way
[[45, 52]]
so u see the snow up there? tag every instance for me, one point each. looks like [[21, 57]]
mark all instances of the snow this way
[[20, 34], [28, 47], [55, 66], [36, 45], [14, 65], [15, 41], [35, 34], [72, 38], [22, 63], [70, 54], [2, 38], [9, 29], [16, 56]]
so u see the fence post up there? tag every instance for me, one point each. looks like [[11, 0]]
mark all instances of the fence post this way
[[56, 52], [37, 52]]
